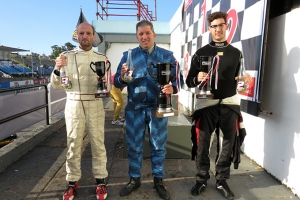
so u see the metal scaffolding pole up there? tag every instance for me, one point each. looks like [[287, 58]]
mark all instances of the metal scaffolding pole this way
[[118, 8]]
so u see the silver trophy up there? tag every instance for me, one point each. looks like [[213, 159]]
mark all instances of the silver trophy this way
[[241, 82], [128, 76], [205, 65], [209, 65]]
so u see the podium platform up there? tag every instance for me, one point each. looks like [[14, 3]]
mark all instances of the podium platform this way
[[179, 143]]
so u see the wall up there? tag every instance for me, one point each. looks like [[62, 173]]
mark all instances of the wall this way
[[274, 141], [185, 97], [127, 27]]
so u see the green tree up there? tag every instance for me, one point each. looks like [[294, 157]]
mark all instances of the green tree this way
[[35, 55], [70, 46], [56, 50]]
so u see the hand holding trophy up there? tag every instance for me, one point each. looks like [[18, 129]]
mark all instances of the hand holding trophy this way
[[128, 76], [164, 106], [65, 81], [208, 65], [243, 78]]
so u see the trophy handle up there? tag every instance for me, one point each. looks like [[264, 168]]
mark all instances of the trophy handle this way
[[92, 63], [196, 57], [107, 62], [149, 71], [174, 77]]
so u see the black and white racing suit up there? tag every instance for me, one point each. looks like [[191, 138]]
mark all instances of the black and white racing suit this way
[[217, 112]]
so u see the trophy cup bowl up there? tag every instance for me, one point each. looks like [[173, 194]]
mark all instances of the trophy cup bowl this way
[[100, 69], [205, 65], [164, 106]]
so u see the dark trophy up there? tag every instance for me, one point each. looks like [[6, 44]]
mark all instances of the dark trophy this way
[[102, 90], [164, 106], [205, 65]]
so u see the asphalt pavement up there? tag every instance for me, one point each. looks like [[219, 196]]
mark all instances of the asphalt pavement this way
[[40, 172]]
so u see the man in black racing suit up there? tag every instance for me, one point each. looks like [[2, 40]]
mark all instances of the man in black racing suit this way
[[220, 113]]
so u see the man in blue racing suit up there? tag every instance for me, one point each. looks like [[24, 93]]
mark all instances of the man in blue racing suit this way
[[142, 99]]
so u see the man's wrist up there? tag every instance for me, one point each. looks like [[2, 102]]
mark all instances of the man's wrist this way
[[121, 80], [195, 80], [174, 89]]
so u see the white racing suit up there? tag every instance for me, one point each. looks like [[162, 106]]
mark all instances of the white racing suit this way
[[83, 112]]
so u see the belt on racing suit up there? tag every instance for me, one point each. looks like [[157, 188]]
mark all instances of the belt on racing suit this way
[[82, 97]]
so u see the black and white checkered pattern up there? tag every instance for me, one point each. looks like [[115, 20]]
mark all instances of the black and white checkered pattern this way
[[249, 17]]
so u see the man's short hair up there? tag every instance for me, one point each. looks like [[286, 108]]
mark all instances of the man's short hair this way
[[143, 23], [217, 15]]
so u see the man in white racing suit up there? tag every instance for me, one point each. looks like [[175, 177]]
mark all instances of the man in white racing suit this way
[[83, 111]]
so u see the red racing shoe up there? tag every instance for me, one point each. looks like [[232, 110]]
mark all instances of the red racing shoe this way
[[70, 192], [101, 192]]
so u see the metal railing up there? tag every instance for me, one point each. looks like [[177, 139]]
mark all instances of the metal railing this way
[[52, 102], [46, 105], [29, 110]]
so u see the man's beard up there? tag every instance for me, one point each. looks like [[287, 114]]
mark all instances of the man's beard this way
[[86, 45]]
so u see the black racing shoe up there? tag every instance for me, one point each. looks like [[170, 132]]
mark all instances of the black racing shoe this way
[[224, 189], [198, 187], [161, 188], [133, 184]]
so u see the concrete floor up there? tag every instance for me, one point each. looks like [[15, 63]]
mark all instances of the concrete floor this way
[[40, 173]]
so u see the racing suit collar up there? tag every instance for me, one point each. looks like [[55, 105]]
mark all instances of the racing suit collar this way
[[218, 44], [148, 51], [79, 49]]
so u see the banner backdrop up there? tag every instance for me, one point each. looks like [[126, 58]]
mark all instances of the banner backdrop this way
[[246, 19]]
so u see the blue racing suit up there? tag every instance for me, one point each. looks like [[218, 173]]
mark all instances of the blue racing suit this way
[[142, 99]]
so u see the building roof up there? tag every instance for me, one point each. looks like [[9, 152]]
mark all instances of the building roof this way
[[11, 49]]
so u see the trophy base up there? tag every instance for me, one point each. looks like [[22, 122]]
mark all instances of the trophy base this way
[[204, 96], [101, 95], [128, 79], [164, 109], [161, 114]]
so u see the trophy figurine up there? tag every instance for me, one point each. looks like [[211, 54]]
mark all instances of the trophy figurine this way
[[100, 70], [164, 106]]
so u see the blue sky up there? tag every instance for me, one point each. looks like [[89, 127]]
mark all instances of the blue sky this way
[[36, 25]]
